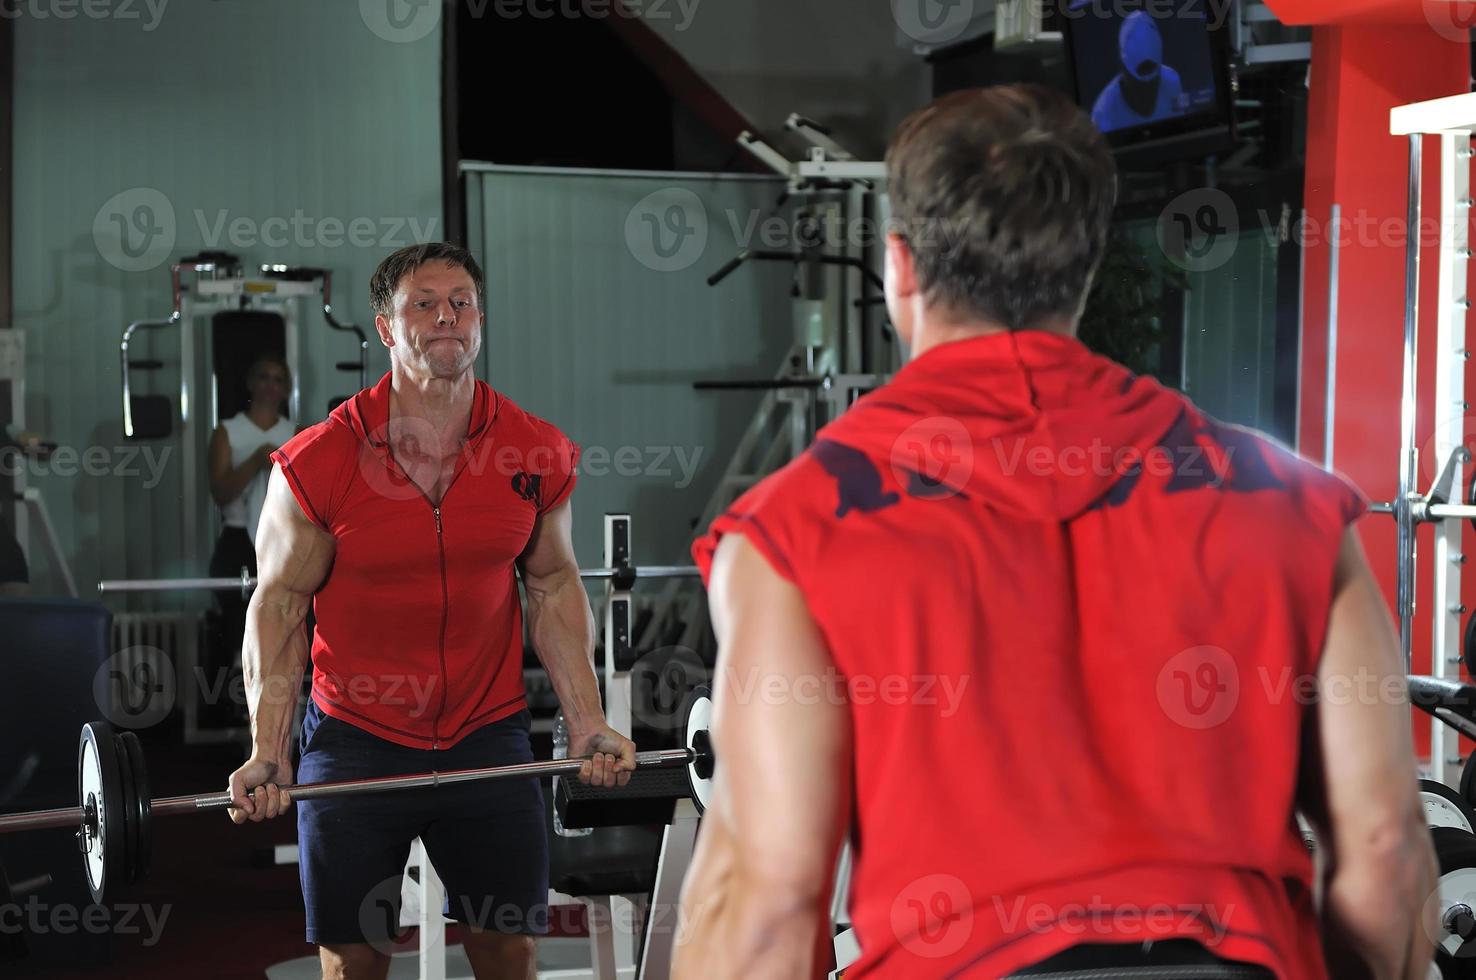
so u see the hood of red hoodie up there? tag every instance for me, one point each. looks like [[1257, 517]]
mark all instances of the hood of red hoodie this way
[[1029, 422]]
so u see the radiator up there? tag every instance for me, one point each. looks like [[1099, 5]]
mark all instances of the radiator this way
[[140, 686]]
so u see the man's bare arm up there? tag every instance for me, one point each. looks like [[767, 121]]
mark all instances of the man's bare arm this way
[[757, 898], [293, 558], [562, 627], [1379, 866]]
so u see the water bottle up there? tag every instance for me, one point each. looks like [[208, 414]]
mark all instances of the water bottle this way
[[561, 751]]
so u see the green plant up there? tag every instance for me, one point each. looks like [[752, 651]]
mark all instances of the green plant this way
[[1123, 316]]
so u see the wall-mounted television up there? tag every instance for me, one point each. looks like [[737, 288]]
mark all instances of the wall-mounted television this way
[[1154, 76]]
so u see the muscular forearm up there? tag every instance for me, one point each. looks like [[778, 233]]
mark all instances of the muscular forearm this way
[[1374, 905], [562, 627], [273, 656], [750, 931], [738, 923]]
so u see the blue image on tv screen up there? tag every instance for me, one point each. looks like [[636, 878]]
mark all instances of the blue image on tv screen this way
[[1135, 67]]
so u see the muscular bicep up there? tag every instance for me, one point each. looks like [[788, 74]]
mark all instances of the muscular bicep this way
[[781, 731], [293, 554], [550, 549], [1362, 760]]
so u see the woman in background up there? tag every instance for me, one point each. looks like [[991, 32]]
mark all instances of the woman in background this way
[[240, 463]]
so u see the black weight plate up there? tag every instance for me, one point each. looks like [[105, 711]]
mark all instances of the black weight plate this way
[[130, 805], [144, 856], [1468, 645], [1468, 781], [1455, 851]]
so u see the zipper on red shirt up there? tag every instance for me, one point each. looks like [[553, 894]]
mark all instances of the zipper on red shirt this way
[[445, 597], [445, 615], [445, 592]]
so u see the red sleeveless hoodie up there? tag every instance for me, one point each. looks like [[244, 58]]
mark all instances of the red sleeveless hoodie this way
[[1071, 612], [419, 626]]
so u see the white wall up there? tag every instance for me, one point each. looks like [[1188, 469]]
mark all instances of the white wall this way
[[260, 110]]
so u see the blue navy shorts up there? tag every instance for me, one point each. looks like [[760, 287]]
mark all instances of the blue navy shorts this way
[[487, 841]]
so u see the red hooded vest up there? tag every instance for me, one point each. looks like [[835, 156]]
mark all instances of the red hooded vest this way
[[419, 626], [1070, 612]]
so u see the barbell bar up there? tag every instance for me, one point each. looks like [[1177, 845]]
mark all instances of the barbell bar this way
[[246, 582], [114, 813]]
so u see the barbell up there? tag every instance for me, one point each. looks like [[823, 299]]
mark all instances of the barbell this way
[[114, 813], [246, 581]]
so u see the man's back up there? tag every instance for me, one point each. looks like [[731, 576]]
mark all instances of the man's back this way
[[1071, 615]]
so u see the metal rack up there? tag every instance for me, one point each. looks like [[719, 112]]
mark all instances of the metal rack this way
[[1453, 120]]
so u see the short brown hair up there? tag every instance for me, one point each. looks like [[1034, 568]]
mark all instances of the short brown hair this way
[[271, 358], [1004, 195], [387, 277]]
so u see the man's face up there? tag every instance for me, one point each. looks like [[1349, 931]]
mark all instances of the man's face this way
[[435, 324], [268, 385]]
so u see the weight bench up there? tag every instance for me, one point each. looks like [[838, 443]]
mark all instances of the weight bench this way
[[1450, 701], [627, 877]]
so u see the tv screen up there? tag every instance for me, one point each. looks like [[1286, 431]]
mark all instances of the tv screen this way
[[1146, 70]]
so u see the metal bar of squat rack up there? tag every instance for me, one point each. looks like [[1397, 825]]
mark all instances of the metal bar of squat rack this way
[[1408, 454]]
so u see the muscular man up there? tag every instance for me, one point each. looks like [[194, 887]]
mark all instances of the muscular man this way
[[402, 519], [1029, 630]]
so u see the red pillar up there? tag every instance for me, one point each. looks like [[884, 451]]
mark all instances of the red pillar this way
[[1359, 72]]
